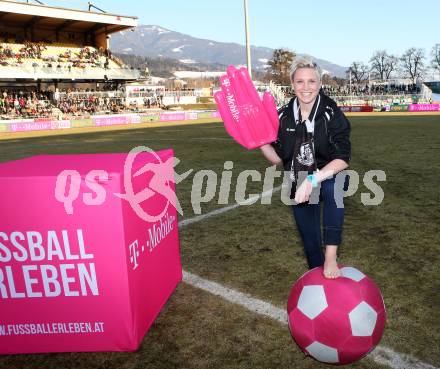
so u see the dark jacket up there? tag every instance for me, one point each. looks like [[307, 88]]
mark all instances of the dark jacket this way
[[331, 136]]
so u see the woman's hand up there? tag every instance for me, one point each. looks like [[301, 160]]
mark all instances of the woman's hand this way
[[303, 192], [270, 154]]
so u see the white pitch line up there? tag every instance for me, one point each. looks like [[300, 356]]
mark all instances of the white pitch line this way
[[249, 201], [257, 306], [386, 356], [381, 355]]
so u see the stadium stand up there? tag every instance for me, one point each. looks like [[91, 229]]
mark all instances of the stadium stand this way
[[56, 62], [46, 49], [24, 105], [377, 95]]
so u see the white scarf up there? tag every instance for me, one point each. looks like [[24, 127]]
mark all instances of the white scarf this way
[[310, 124]]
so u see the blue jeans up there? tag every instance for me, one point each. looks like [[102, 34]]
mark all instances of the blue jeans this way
[[308, 221]]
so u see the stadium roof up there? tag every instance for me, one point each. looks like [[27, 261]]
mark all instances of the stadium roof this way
[[61, 19]]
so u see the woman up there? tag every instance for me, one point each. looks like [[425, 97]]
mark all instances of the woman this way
[[313, 142]]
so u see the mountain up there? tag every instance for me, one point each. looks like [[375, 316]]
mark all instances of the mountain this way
[[155, 41], [164, 67]]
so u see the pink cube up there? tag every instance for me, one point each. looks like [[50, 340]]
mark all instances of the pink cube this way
[[84, 266]]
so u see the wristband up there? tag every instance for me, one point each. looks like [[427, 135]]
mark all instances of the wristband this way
[[312, 179]]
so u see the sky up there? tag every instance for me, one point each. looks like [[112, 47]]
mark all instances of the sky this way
[[339, 31]]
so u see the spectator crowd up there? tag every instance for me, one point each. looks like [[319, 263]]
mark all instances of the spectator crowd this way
[[364, 90], [24, 105], [66, 103], [373, 89], [75, 106], [14, 55]]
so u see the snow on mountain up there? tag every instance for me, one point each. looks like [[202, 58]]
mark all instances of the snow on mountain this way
[[178, 49], [187, 61], [154, 41], [191, 74]]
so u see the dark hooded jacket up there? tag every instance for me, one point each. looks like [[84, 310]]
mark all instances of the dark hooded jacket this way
[[331, 134]]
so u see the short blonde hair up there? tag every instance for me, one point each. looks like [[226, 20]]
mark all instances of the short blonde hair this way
[[304, 62]]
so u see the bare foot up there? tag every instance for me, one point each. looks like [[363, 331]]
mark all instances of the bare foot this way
[[331, 269]]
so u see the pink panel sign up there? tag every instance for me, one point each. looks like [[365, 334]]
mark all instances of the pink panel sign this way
[[191, 115], [110, 120], [89, 250], [424, 107], [39, 125], [164, 117]]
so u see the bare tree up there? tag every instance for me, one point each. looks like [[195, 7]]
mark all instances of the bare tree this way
[[379, 63], [279, 66], [391, 65], [358, 70], [412, 63], [435, 62]]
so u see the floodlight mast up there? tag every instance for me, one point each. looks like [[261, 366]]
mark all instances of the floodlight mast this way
[[248, 46], [350, 81]]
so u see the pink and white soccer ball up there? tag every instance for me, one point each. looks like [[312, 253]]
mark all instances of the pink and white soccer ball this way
[[336, 321]]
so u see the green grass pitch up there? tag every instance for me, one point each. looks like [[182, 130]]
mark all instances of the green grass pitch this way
[[255, 249]]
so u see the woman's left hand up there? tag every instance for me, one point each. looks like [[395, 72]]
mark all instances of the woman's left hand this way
[[303, 192]]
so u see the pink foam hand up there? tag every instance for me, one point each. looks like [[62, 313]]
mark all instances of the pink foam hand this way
[[249, 120], [228, 115], [271, 109]]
